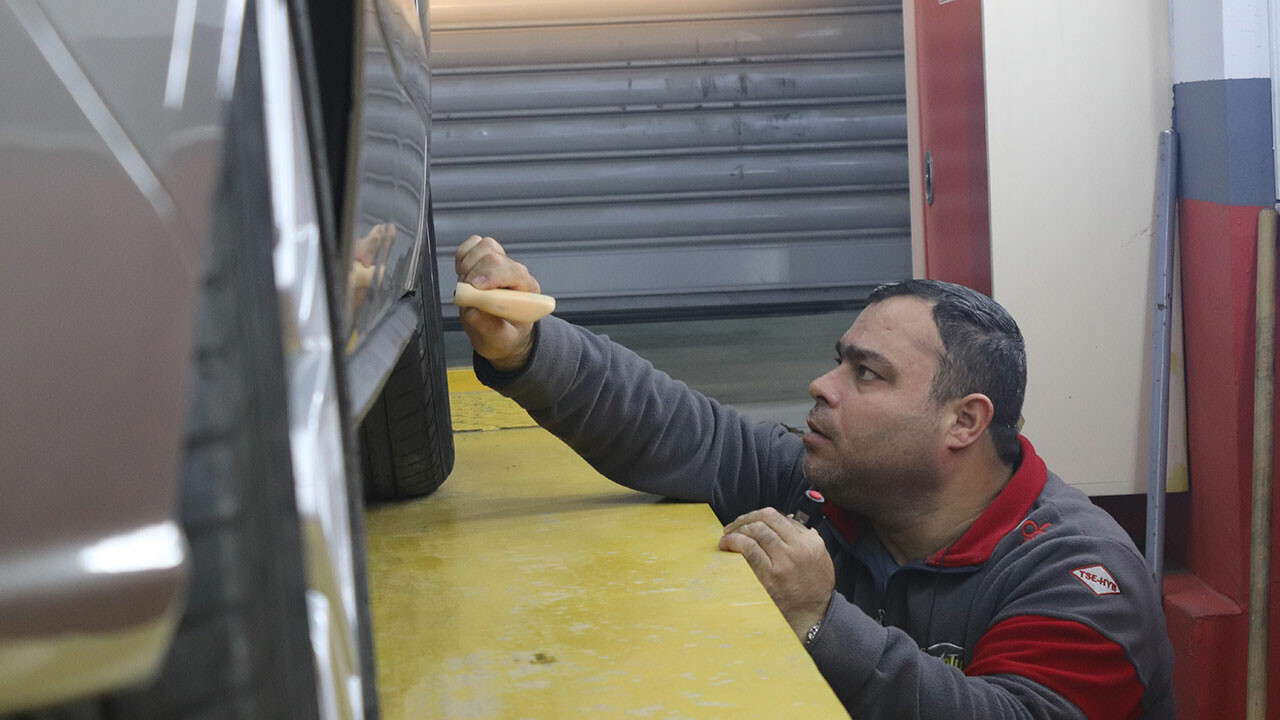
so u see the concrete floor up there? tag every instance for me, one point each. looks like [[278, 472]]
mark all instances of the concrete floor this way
[[762, 366]]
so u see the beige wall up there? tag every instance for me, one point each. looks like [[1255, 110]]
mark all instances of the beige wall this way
[[1076, 96]]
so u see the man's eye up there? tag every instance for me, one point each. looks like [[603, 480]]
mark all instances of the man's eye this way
[[839, 360], [866, 373]]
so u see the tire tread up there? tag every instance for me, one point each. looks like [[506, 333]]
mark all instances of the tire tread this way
[[407, 436]]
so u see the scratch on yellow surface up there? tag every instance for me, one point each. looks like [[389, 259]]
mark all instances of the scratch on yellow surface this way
[[476, 407], [529, 586]]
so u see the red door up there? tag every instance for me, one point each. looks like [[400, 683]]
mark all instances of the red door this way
[[953, 141]]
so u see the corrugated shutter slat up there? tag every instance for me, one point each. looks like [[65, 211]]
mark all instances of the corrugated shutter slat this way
[[729, 154]]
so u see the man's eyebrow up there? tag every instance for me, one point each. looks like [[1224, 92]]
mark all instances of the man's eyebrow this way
[[853, 353]]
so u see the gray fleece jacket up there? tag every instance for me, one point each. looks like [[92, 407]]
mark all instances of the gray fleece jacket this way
[[1042, 609]]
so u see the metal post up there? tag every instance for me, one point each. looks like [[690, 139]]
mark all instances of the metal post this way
[[1161, 331]]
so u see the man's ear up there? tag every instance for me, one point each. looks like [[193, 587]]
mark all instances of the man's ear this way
[[970, 416]]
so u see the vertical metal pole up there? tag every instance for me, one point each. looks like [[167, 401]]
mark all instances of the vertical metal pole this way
[[1263, 437], [1161, 331]]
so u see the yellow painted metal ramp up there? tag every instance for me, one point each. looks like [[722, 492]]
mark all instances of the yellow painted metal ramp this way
[[529, 586]]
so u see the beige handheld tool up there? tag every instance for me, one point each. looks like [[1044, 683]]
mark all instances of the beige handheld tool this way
[[514, 305]]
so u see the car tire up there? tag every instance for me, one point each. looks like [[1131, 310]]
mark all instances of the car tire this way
[[407, 436]]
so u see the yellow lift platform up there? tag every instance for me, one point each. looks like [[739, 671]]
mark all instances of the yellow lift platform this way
[[529, 586]]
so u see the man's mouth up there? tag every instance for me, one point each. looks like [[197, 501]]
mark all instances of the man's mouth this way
[[814, 429]]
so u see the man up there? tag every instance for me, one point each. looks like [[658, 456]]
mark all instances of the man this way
[[952, 576]]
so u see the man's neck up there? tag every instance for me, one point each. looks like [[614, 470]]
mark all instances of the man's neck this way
[[959, 503]]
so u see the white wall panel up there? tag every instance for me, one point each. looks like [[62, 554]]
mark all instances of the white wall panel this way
[[1077, 94], [1219, 40], [1244, 39]]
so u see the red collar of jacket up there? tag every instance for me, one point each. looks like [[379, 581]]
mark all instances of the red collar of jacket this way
[[1000, 518]]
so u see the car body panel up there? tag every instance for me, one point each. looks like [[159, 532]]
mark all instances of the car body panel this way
[[98, 282], [384, 219], [111, 139]]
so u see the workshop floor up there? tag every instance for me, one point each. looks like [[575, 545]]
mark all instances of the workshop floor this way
[[530, 587]]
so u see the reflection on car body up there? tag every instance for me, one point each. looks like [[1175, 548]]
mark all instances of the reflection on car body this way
[[388, 210], [115, 131]]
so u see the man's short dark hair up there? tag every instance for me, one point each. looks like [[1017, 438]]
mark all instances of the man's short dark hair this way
[[983, 352]]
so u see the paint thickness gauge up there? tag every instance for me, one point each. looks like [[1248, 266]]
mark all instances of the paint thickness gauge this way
[[513, 305]]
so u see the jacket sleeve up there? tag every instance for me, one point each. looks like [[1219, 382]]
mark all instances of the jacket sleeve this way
[[1059, 647], [880, 672], [1085, 620], [639, 427]]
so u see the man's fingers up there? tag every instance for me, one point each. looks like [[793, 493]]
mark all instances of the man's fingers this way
[[764, 535], [462, 251], [494, 271], [473, 250], [466, 247], [479, 249], [482, 262], [749, 549], [743, 520], [786, 527], [481, 322]]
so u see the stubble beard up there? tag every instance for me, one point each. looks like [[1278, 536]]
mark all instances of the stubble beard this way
[[888, 491]]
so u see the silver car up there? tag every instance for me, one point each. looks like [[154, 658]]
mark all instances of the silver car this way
[[221, 328]]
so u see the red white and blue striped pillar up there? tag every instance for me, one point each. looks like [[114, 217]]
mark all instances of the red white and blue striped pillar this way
[[1223, 115]]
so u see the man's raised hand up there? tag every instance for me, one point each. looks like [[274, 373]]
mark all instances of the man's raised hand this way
[[483, 263]]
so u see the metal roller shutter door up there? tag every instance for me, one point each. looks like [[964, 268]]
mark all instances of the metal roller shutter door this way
[[652, 159]]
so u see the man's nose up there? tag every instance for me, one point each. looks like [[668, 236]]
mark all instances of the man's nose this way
[[819, 388]]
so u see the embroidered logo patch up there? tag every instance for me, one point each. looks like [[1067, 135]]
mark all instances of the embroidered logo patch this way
[[949, 653], [1030, 529], [1097, 579]]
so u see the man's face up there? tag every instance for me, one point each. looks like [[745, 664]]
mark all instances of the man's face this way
[[876, 433]]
